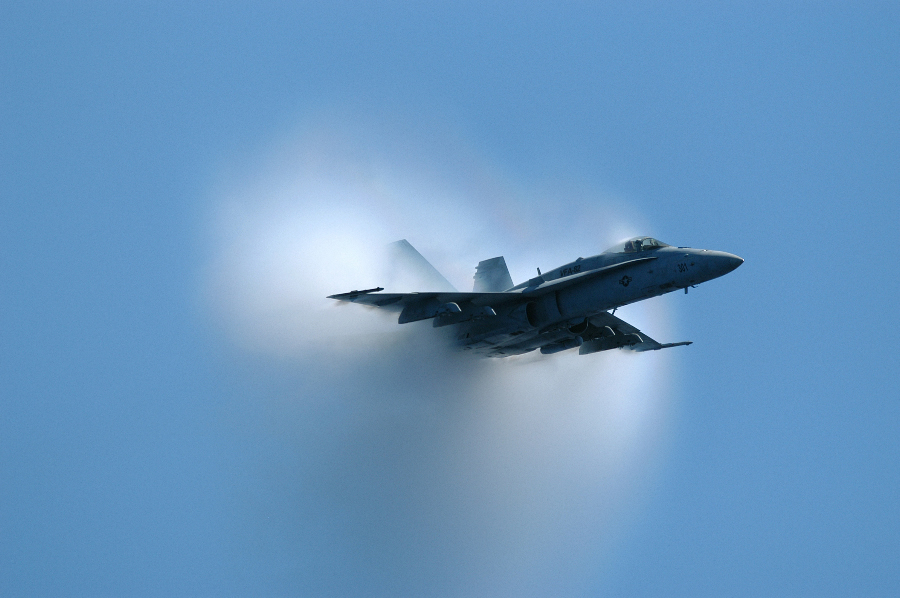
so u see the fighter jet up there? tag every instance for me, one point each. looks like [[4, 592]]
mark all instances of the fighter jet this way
[[564, 308]]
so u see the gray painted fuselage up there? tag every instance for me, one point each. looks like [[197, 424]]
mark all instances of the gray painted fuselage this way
[[565, 315]]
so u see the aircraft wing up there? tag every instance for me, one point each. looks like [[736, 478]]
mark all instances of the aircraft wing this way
[[400, 301], [616, 333], [421, 306]]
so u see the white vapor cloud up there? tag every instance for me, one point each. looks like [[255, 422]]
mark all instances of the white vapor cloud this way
[[391, 464]]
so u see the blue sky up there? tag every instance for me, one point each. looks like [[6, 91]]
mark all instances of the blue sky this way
[[178, 182]]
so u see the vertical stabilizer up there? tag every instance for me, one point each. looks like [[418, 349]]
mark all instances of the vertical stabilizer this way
[[492, 276], [409, 268]]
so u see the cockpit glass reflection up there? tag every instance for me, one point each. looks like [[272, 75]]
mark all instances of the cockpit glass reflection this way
[[636, 244]]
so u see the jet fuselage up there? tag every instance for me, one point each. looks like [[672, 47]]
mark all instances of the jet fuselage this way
[[565, 315]]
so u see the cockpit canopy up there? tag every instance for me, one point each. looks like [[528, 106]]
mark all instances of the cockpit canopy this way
[[636, 244]]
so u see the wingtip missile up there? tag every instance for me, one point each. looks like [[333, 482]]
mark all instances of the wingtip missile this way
[[641, 347], [353, 294], [681, 344]]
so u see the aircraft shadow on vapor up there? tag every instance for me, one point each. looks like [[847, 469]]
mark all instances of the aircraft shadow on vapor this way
[[561, 309]]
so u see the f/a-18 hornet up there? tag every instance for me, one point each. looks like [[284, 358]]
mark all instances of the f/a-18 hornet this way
[[561, 309]]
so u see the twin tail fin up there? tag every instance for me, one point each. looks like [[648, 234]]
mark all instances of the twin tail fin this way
[[492, 276]]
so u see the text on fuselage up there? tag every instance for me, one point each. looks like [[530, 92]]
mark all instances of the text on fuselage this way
[[570, 271]]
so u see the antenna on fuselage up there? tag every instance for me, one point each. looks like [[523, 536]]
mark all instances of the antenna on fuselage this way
[[539, 272]]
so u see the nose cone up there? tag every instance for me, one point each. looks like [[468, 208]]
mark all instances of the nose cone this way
[[722, 263], [732, 261]]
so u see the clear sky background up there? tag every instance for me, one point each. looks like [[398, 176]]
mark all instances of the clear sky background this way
[[179, 181]]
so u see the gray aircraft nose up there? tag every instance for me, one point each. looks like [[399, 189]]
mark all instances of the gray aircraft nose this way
[[732, 261], [722, 263]]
